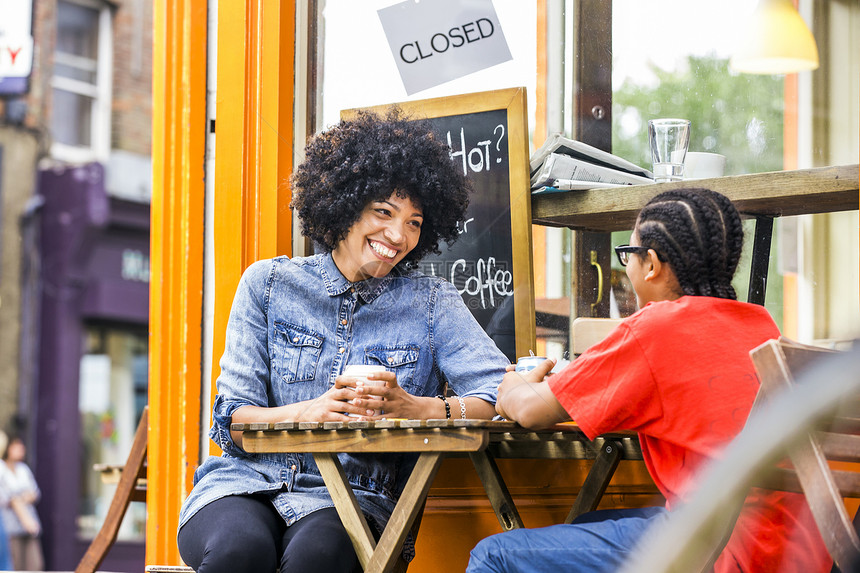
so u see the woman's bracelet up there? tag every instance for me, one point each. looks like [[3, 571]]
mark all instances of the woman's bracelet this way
[[462, 407], [447, 406]]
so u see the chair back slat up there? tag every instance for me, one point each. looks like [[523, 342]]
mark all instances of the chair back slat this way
[[840, 447]]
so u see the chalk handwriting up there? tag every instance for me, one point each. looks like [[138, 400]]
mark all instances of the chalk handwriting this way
[[478, 158]]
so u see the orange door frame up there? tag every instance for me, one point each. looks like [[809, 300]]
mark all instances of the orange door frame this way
[[176, 258], [251, 218]]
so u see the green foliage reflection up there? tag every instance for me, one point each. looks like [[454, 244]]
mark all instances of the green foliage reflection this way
[[737, 115]]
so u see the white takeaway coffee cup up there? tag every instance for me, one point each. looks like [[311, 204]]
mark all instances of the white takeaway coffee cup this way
[[359, 372]]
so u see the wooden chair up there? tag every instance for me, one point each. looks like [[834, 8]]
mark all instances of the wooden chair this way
[[126, 491], [787, 418], [777, 363], [589, 331]]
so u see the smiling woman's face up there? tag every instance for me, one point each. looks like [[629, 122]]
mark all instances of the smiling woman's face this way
[[384, 234]]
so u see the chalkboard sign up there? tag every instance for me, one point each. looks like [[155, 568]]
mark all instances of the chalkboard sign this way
[[491, 262]]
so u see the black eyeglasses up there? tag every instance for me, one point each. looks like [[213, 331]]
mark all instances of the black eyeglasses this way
[[623, 253]]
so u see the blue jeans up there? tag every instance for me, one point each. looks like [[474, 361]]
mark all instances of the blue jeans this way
[[5, 554], [598, 541]]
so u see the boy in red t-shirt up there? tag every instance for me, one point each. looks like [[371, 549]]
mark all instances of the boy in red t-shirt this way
[[678, 372]]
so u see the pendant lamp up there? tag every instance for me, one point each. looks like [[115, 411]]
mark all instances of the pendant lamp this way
[[776, 40]]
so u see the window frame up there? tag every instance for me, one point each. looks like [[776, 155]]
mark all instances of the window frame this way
[[100, 92]]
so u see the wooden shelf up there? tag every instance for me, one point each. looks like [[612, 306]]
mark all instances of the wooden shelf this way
[[821, 190]]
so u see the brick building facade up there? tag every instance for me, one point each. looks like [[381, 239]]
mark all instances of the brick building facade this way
[[75, 162]]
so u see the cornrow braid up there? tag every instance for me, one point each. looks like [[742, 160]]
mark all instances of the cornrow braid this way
[[699, 233]]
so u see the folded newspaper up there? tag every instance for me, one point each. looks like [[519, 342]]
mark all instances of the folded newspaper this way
[[566, 164]]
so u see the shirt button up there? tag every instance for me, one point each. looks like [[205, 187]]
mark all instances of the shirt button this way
[[293, 467], [390, 359], [341, 350], [296, 339], [344, 322]]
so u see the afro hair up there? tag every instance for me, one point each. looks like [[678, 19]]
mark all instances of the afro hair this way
[[369, 157]]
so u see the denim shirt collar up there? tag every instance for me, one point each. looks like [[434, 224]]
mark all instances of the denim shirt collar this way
[[336, 284]]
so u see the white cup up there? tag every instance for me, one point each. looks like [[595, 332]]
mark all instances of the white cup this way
[[701, 165], [359, 373]]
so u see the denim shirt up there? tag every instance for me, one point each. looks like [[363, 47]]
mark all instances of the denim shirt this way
[[295, 324]]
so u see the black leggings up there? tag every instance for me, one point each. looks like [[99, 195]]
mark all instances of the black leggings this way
[[240, 533]]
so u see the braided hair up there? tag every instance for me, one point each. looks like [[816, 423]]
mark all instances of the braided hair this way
[[699, 233]]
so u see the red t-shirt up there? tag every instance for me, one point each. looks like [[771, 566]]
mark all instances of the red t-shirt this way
[[679, 373]]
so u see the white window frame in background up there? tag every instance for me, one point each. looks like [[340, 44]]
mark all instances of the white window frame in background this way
[[100, 92]]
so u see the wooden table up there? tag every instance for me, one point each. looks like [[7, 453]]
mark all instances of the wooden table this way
[[481, 440]]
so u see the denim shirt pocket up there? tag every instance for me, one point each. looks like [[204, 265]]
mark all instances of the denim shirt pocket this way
[[296, 352], [398, 359]]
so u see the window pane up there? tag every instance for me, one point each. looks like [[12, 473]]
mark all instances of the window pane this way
[[75, 68], [686, 74], [352, 35], [77, 30], [71, 118], [113, 392]]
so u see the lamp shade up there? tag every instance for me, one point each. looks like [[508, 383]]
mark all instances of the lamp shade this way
[[776, 40]]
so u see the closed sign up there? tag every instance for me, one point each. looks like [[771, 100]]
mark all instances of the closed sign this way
[[436, 41]]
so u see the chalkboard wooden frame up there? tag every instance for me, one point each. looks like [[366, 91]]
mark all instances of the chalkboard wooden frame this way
[[513, 102]]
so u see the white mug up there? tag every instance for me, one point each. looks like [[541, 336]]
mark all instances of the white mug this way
[[701, 165], [360, 371]]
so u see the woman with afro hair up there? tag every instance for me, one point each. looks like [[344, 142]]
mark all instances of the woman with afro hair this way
[[375, 194]]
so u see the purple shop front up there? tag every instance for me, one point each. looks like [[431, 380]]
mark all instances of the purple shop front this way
[[92, 323]]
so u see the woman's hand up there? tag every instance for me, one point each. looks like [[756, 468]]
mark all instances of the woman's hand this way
[[20, 507], [334, 404], [525, 397]]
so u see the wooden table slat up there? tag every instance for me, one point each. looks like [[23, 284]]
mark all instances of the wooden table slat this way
[[368, 441]]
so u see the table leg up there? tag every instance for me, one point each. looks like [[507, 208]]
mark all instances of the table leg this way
[[391, 541], [760, 258], [596, 480], [347, 506], [497, 492]]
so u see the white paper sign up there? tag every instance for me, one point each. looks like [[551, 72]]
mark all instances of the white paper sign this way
[[436, 41], [16, 43], [94, 393]]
